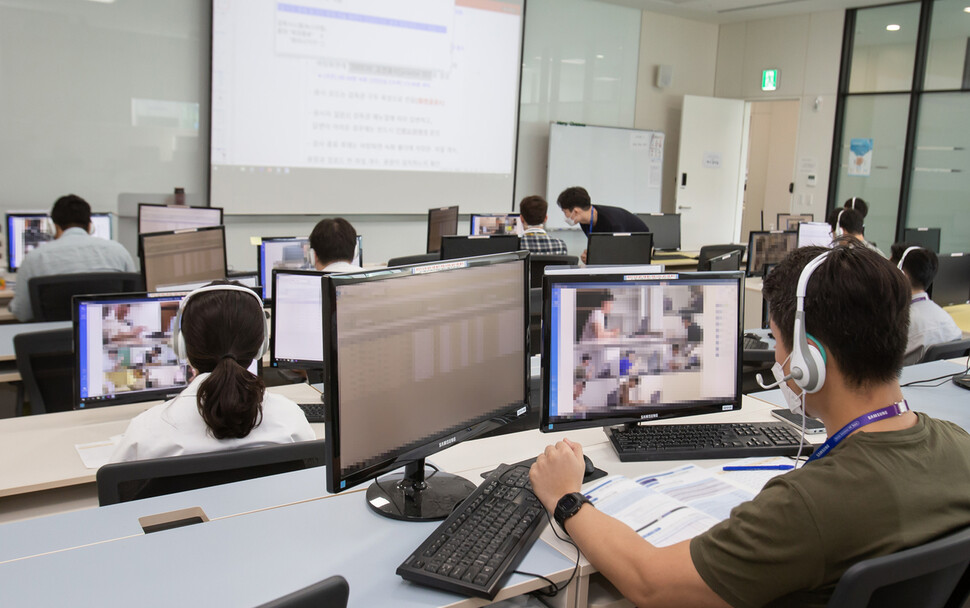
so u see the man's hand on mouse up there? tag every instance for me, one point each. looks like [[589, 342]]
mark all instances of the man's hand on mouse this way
[[558, 471]]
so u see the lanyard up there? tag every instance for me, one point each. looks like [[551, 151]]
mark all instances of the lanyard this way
[[592, 213], [896, 409], [534, 231], [920, 298]]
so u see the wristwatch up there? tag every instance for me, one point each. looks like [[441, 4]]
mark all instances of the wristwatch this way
[[569, 505]]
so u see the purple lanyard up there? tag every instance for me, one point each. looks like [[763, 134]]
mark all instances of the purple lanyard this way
[[920, 298], [589, 230], [896, 409]]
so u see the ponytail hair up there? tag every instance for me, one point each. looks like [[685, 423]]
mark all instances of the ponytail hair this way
[[223, 331]]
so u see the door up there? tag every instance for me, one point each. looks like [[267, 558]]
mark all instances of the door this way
[[772, 137], [710, 165]]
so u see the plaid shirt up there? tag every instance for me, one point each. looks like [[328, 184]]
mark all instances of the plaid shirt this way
[[537, 241]]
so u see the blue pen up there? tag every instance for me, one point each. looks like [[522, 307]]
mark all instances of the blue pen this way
[[765, 467]]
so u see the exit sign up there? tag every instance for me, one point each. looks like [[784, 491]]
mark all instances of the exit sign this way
[[769, 80]]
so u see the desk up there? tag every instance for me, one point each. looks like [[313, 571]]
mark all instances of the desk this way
[[960, 314], [42, 471], [681, 260]]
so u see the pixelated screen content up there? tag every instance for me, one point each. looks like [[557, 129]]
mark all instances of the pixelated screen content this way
[[640, 348], [424, 355], [285, 254], [495, 224], [769, 248]]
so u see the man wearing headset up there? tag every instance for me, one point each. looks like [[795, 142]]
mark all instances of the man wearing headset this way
[[886, 479], [848, 223]]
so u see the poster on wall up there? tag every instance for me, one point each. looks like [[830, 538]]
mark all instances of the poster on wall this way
[[860, 156]]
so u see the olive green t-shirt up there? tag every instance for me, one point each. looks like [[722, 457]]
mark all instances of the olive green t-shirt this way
[[873, 494]]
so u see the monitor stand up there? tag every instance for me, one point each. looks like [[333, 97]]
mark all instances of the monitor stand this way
[[412, 496]]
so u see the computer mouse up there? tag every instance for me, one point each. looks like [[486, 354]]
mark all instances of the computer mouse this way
[[590, 468], [961, 381]]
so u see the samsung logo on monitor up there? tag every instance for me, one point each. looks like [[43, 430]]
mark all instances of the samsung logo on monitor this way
[[649, 416], [447, 442]]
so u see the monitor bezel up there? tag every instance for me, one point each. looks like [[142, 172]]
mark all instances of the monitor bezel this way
[[141, 248], [10, 242], [127, 397], [431, 444], [936, 232], [606, 236], [304, 364], [431, 213], [676, 216], [634, 416], [760, 272], [222, 215], [463, 238]]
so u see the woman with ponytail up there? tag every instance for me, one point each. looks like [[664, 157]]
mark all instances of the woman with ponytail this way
[[220, 329]]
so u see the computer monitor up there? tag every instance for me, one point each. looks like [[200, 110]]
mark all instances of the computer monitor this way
[[665, 228], [789, 221], [124, 349], [441, 222], [619, 248], [814, 233], [453, 247], [495, 223], [927, 238], [164, 218], [296, 339], [623, 348], [768, 248], [726, 261], [952, 283], [186, 256], [420, 358], [285, 253], [26, 230]]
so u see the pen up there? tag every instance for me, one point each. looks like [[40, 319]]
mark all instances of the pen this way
[[765, 467]]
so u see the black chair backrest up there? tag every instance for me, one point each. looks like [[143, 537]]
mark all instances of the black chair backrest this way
[[928, 576], [45, 360], [946, 350], [331, 592], [414, 259], [539, 261], [124, 481], [712, 251], [50, 296]]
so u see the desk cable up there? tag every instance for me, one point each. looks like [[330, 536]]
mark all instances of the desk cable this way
[[942, 379], [554, 589]]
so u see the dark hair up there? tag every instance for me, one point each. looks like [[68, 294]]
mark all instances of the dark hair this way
[[849, 220], [533, 210], [223, 331], [920, 264], [333, 240], [857, 204], [71, 211], [574, 197], [856, 305]]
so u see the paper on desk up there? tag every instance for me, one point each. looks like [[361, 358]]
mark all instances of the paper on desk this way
[[753, 481], [96, 454], [698, 488]]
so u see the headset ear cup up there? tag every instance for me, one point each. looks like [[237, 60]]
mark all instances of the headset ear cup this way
[[817, 379]]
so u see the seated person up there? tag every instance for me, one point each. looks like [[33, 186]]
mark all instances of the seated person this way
[[73, 250], [897, 481], [577, 206], [225, 407], [928, 323], [858, 204], [334, 241], [595, 327], [533, 213], [848, 223]]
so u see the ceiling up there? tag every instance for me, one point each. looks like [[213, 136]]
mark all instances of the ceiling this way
[[729, 11]]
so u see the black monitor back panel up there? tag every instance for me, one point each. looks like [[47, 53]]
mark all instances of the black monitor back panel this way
[[952, 283], [619, 248], [928, 238], [665, 228], [453, 247]]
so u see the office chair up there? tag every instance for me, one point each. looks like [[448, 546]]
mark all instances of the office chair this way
[[539, 261], [45, 360], [933, 575], [946, 350], [414, 259], [124, 481], [50, 296], [331, 592], [712, 251]]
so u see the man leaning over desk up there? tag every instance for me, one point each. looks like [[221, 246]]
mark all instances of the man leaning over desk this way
[[73, 250], [898, 481], [578, 208]]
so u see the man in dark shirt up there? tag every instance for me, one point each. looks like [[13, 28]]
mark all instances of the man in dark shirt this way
[[578, 209]]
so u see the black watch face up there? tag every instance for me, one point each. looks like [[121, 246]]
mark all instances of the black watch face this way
[[568, 502]]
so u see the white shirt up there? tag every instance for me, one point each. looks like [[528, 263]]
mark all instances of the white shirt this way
[[176, 428], [597, 317], [76, 251], [342, 267], [928, 325]]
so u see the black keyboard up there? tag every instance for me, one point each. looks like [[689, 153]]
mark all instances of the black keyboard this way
[[313, 411], [482, 542], [699, 441], [753, 342]]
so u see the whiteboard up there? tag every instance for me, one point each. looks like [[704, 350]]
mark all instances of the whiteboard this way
[[618, 167]]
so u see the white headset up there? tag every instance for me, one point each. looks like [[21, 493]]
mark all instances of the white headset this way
[[905, 253], [852, 203], [807, 358], [838, 226], [178, 340]]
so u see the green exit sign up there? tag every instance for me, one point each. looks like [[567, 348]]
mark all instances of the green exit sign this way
[[769, 80]]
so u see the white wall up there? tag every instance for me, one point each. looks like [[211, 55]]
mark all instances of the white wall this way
[[690, 48], [807, 51]]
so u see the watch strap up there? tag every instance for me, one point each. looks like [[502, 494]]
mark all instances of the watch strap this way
[[569, 505]]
